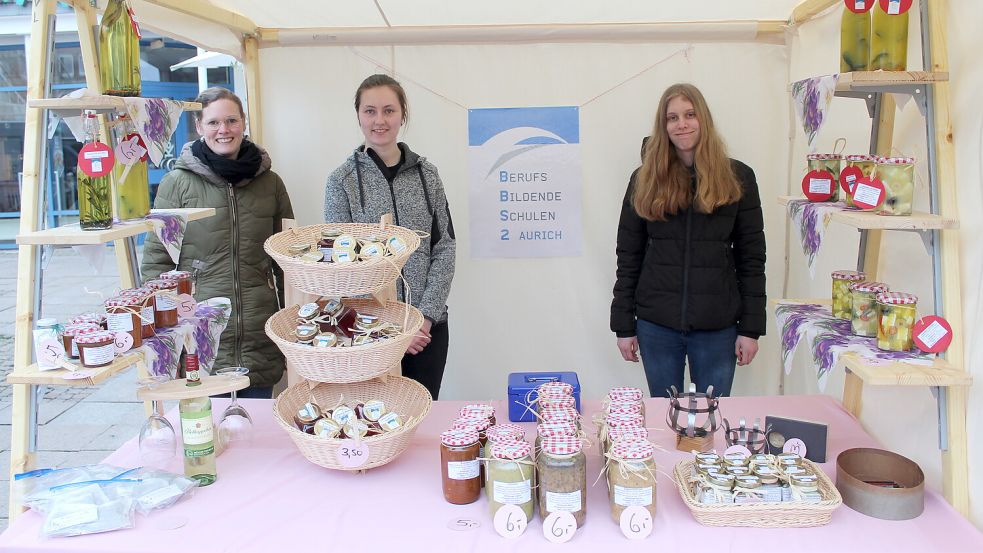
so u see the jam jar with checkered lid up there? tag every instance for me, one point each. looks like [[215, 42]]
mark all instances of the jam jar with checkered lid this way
[[459, 466], [842, 299], [830, 163], [863, 304], [631, 477], [562, 470], [511, 477], [897, 312]]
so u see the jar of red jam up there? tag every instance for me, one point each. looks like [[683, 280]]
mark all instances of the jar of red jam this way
[[97, 318], [74, 330], [96, 349], [165, 302], [185, 285], [460, 468], [123, 315], [337, 318], [145, 296]]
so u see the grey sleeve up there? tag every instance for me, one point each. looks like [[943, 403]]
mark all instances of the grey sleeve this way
[[336, 206], [442, 254]]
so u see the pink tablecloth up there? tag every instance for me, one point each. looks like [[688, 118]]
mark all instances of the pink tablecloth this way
[[269, 498]]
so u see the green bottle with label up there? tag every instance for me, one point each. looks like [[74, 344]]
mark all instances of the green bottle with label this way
[[197, 430]]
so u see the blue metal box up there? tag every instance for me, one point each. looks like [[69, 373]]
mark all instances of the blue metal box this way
[[520, 384]]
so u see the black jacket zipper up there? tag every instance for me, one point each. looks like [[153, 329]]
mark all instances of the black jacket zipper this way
[[686, 261], [237, 306]]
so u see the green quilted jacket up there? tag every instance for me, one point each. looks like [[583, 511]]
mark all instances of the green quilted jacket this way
[[227, 252]]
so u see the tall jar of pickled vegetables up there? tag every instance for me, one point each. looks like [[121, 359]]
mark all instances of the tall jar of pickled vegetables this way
[[864, 307], [857, 166], [842, 297], [855, 35], [889, 35], [119, 50], [898, 176], [831, 163], [896, 315], [130, 172]]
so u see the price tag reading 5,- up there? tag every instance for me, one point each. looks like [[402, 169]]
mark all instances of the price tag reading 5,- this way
[[510, 521], [559, 527], [352, 455], [186, 306], [636, 523]]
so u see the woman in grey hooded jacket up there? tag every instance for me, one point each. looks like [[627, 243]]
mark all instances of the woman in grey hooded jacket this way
[[385, 176]]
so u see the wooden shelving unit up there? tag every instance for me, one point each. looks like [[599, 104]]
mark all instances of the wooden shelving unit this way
[[211, 385], [73, 235], [57, 377], [898, 373], [868, 220], [887, 81], [73, 106]]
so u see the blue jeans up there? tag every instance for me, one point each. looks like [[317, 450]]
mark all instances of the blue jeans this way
[[664, 351]]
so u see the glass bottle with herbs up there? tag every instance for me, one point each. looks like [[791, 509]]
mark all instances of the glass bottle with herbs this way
[[94, 193], [119, 50]]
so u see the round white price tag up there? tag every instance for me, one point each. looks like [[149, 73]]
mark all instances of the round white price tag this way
[[636, 523], [352, 455], [463, 524], [186, 306], [795, 445], [738, 449], [51, 351], [510, 521], [559, 527], [123, 342]]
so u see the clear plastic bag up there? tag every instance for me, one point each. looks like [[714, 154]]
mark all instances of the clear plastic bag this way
[[89, 508], [33, 488], [158, 489]]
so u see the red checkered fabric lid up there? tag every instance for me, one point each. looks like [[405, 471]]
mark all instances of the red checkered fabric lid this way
[[500, 432], [562, 445], [615, 420], [558, 401], [175, 275], [478, 410], [897, 298], [624, 407], [511, 450], [470, 423], [624, 393], [633, 449], [870, 287], [97, 318], [861, 157], [77, 329], [141, 293], [628, 433], [559, 414], [123, 301], [95, 337], [849, 275], [459, 438], [161, 284], [557, 428], [815, 157], [895, 160], [555, 388]]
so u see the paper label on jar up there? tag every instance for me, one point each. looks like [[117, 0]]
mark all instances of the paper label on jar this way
[[166, 301], [866, 194], [99, 355], [820, 186], [569, 502], [463, 470], [631, 497], [147, 315], [75, 515], [41, 335], [931, 335], [893, 7], [75, 349], [119, 322], [512, 493]]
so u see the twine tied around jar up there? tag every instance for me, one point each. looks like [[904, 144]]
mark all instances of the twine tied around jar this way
[[626, 471]]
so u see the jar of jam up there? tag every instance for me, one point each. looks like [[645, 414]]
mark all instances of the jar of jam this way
[[896, 313], [479, 411], [864, 307], [326, 243], [326, 428], [97, 318], [306, 416], [371, 250], [96, 349], [185, 284], [306, 334], [346, 242], [123, 315], [145, 296], [459, 466], [308, 312], [555, 429], [562, 471], [165, 302], [842, 297], [72, 331], [620, 433], [297, 250], [830, 163], [631, 477], [511, 477], [337, 318]]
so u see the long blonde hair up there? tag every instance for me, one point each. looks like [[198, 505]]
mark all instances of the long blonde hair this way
[[662, 186]]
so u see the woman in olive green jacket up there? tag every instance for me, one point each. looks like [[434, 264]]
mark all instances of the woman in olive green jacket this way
[[226, 171]]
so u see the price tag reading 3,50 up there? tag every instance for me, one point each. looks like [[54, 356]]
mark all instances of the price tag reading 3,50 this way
[[636, 523], [559, 527], [510, 521], [352, 455]]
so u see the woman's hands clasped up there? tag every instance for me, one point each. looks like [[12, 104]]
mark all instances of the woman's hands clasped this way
[[421, 339]]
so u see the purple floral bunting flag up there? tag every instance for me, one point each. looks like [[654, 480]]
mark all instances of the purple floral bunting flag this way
[[811, 219], [155, 120], [169, 228], [812, 99], [199, 334]]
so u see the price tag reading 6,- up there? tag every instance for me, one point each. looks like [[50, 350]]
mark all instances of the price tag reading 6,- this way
[[636, 523], [559, 527], [510, 521], [352, 455]]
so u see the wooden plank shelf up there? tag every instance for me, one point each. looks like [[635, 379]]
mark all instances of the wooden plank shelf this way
[[877, 372], [74, 235], [178, 389], [887, 81], [868, 220], [56, 377], [98, 103]]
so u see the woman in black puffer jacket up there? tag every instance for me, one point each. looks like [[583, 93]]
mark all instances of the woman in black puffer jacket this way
[[691, 254]]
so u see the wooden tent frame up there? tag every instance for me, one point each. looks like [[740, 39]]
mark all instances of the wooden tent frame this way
[[26, 388]]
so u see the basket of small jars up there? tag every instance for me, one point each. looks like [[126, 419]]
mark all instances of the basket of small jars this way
[[762, 491], [381, 415], [344, 341], [342, 259]]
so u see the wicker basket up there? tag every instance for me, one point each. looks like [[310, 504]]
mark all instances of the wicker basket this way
[[761, 515], [403, 395], [346, 364], [340, 280]]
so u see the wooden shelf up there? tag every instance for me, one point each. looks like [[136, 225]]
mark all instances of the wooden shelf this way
[[887, 81], [74, 235], [872, 221], [876, 372], [210, 385], [97, 103], [56, 377]]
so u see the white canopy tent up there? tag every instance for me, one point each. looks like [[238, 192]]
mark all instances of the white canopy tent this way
[[612, 60]]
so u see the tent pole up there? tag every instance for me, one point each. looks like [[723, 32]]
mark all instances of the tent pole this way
[[251, 45]]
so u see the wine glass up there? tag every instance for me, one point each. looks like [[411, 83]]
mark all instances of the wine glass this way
[[157, 441], [236, 426]]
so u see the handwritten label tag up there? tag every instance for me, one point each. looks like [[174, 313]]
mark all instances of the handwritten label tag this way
[[96, 159], [186, 306], [559, 527], [51, 351], [463, 524], [510, 521], [79, 375], [352, 455], [932, 334], [636, 523], [738, 449], [869, 193], [123, 342], [795, 445], [818, 186], [131, 150]]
